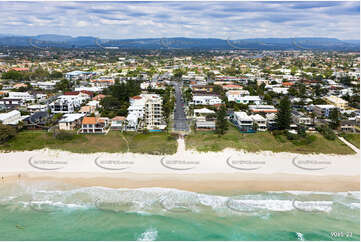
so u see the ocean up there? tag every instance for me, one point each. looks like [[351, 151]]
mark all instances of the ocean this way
[[49, 211]]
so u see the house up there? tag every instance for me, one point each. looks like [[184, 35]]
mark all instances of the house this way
[[68, 102], [77, 75], [202, 88], [10, 118], [234, 94], [19, 85], [37, 108], [201, 114], [232, 87], [336, 101], [70, 121], [63, 106], [118, 123], [94, 125], [24, 96], [323, 110], [203, 119], [299, 118], [347, 126], [243, 122], [249, 100], [280, 90], [37, 120], [99, 97], [90, 107], [259, 121], [206, 125], [10, 103], [262, 109], [271, 121], [104, 83], [48, 85], [206, 99]]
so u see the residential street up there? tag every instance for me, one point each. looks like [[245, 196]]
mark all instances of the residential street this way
[[180, 121]]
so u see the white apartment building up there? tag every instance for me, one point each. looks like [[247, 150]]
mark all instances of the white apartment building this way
[[153, 116], [148, 109], [68, 103]]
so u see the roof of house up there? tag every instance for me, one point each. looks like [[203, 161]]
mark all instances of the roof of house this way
[[71, 117], [118, 118], [136, 97], [89, 120], [203, 110]]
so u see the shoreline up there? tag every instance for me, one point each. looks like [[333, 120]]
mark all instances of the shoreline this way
[[204, 183], [227, 171]]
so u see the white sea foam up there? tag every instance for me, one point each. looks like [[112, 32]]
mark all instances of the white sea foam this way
[[300, 236], [148, 235], [152, 200]]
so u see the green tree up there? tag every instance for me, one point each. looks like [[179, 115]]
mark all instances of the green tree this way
[[6, 133], [335, 118], [221, 122], [283, 118]]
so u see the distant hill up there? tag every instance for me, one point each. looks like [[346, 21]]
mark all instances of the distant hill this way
[[63, 41]]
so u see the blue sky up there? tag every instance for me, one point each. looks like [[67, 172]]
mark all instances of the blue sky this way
[[226, 20]]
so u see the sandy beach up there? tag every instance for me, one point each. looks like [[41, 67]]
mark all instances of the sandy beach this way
[[225, 171]]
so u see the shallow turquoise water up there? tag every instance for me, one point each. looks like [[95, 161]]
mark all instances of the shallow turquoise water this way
[[47, 211]]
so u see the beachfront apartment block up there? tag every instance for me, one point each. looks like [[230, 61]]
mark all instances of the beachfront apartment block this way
[[145, 111], [323, 110], [153, 115]]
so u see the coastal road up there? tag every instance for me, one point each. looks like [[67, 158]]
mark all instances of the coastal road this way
[[180, 119]]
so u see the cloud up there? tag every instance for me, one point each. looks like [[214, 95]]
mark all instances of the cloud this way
[[232, 20]]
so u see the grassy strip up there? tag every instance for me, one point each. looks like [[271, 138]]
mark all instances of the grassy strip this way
[[352, 138], [91, 143], [260, 141]]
